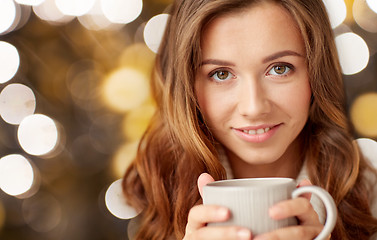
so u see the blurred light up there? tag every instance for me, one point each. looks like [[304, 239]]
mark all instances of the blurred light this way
[[353, 53], [84, 89], [35, 186], [154, 31], [9, 61], [123, 158], [16, 174], [15, 21], [137, 121], [122, 11], [369, 149], [48, 11], [7, 14], [42, 212], [37, 134], [138, 56], [30, 2], [116, 202], [337, 11], [364, 16], [126, 89], [372, 4], [364, 114], [16, 102], [24, 16], [96, 20], [83, 80], [74, 7]]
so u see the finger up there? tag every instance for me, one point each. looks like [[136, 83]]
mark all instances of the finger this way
[[305, 182], [203, 180], [299, 207], [219, 233], [289, 233], [200, 215]]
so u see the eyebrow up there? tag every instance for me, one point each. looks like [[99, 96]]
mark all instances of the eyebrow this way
[[265, 60], [281, 54], [217, 62]]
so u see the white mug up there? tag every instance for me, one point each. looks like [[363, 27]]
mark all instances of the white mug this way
[[249, 200]]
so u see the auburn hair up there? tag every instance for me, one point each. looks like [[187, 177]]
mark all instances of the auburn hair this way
[[177, 146]]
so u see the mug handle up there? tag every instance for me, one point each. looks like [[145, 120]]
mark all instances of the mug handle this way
[[330, 206]]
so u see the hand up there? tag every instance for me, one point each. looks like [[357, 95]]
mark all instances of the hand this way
[[200, 215], [309, 225]]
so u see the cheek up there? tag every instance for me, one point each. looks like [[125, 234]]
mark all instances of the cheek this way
[[213, 103], [297, 99]]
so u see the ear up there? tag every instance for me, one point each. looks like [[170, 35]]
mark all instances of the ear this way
[[203, 180]]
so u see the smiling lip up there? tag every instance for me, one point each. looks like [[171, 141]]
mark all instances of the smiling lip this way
[[256, 134]]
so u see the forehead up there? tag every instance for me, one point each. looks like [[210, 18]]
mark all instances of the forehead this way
[[264, 26]]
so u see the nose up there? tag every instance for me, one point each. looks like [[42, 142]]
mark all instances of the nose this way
[[253, 99]]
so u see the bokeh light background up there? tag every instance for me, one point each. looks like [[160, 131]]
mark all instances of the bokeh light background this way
[[75, 100]]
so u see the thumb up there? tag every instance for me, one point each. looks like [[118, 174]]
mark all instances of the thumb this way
[[203, 180]]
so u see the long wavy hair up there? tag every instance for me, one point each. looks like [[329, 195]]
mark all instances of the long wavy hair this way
[[177, 147]]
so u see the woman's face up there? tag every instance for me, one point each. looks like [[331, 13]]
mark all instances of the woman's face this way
[[252, 86]]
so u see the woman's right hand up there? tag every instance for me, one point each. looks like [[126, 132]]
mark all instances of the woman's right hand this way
[[200, 215]]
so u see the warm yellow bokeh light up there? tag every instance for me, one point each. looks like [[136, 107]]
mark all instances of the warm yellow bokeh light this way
[[123, 158], [125, 89], [364, 114], [138, 56], [136, 122]]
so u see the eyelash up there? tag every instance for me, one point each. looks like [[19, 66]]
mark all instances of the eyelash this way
[[212, 74], [287, 65]]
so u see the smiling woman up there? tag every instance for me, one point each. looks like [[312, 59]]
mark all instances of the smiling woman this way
[[248, 89], [267, 82]]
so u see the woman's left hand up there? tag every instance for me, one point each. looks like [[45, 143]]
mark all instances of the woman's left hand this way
[[309, 225]]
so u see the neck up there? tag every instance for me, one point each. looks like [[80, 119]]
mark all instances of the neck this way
[[288, 165]]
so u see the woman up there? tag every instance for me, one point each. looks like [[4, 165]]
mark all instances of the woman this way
[[247, 88]]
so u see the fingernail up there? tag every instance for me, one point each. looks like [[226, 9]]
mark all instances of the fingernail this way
[[222, 213], [244, 234]]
